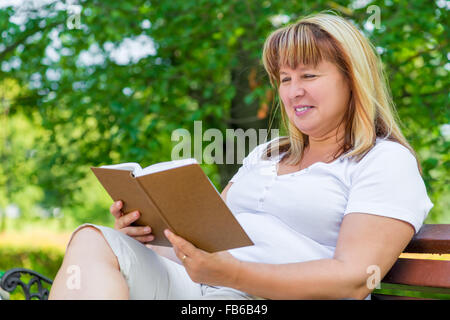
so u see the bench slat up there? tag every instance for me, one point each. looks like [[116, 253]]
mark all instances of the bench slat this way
[[431, 238], [420, 272]]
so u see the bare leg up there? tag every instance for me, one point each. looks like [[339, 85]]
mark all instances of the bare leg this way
[[90, 270]]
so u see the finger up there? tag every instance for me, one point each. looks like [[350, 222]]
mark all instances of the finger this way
[[145, 239], [180, 255], [181, 244], [127, 219], [177, 251], [115, 209], [137, 231]]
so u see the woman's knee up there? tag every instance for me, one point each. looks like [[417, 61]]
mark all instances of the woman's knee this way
[[85, 236], [89, 241]]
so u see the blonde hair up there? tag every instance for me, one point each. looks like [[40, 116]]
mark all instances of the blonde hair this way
[[371, 112]]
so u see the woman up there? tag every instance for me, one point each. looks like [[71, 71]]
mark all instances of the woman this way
[[339, 197]]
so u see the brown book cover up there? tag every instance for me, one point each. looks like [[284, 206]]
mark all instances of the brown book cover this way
[[181, 199]]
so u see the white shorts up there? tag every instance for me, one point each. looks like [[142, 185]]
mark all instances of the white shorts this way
[[152, 277]]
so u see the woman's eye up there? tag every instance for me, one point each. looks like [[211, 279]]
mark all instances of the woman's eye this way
[[306, 76]]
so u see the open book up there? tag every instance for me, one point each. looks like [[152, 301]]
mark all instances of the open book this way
[[137, 170], [175, 195]]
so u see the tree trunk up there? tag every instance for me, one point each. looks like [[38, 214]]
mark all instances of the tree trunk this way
[[242, 116]]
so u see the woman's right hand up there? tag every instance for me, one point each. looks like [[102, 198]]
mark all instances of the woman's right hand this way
[[123, 221]]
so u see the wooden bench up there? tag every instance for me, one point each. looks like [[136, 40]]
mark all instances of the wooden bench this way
[[422, 276]]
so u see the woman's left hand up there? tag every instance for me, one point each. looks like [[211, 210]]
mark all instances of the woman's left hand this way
[[216, 269]]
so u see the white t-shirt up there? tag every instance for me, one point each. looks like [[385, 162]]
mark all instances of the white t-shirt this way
[[297, 217]]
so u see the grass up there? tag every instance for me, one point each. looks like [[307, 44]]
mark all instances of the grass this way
[[35, 238], [36, 249]]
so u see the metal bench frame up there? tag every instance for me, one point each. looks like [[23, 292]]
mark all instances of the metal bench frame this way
[[12, 278]]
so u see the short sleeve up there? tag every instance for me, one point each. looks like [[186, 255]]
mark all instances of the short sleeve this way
[[252, 159], [387, 182]]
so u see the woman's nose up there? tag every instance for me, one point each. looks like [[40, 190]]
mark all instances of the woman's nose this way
[[296, 91]]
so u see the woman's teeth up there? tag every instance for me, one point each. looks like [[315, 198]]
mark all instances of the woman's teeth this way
[[302, 109]]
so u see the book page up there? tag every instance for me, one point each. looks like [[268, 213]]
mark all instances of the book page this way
[[134, 167], [164, 166]]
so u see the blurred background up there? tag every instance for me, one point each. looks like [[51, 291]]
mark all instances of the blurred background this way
[[88, 83]]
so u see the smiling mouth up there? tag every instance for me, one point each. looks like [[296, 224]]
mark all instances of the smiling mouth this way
[[303, 108]]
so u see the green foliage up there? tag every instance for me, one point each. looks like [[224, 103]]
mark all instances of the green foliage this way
[[205, 66], [46, 261], [411, 291]]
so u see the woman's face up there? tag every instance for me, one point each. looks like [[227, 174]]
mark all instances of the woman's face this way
[[315, 99]]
